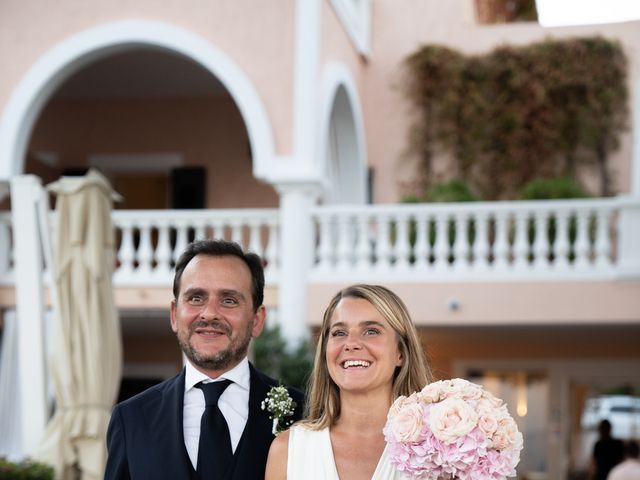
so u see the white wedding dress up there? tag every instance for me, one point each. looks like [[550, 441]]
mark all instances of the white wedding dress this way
[[311, 457]]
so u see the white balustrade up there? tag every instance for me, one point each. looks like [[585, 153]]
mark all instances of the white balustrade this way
[[6, 250], [477, 240], [152, 240], [406, 242]]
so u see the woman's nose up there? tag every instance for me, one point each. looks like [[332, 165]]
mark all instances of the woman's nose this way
[[352, 343]]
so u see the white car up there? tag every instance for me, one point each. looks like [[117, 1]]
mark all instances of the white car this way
[[622, 411]]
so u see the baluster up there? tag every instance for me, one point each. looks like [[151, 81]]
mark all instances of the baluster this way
[[163, 250], [602, 246], [217, 229], [582, 245], [460, 242], [501, 245], [126, 253], [562, 241], [521, 241], [421, 249], [272, 248], [363, 247], [441, 245], [481, 249], [402, 247], [345, 243], [236, 231], [542, 246], [5, 248], [382, 249], [145, 250], [200, 227], [255, 242], [181, 227], [325, 247]]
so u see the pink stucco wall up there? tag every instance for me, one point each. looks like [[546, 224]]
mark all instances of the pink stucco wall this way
[[208, 132], [256, 36], [399, 28]]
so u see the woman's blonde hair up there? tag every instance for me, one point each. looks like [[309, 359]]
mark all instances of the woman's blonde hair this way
[[323, 402]]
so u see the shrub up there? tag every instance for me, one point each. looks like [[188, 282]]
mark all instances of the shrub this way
[[552, 188], [451, 191], [271, 355], [24, 470]]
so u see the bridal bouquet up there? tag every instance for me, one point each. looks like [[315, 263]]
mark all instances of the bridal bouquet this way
[[452, 429]]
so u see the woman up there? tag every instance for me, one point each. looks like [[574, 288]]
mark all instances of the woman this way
[[368, 354]]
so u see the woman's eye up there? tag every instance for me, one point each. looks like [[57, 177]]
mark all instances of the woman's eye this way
[[338, 333], [371, 331]]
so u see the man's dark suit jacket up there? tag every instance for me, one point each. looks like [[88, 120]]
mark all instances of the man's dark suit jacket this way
[[145, 437]]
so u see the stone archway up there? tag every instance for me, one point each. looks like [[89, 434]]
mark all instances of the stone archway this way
[[342, 141], [72, 54]]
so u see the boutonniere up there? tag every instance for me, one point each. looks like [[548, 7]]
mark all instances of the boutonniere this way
[[280, 405]]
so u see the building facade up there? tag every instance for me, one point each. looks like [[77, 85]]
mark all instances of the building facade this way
[[282, 125]]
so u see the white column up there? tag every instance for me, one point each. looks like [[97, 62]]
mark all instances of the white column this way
[[629, 226], [629, 238], [306, 90], [26, 191], [296, 256], [635, 167]]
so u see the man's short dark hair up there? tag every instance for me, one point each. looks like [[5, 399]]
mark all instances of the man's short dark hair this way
[[222, 248]]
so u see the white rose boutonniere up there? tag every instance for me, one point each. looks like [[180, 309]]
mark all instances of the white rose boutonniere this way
[[280, 405]]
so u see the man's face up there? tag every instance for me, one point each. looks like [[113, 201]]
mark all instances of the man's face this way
[[213, 316]]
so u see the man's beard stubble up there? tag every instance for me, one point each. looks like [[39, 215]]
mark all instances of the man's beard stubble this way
[[223, 359]]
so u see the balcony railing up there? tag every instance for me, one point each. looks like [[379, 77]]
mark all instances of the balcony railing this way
[[150, 241], [488, 241], [473, 241]]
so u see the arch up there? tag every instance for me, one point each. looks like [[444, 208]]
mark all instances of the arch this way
[[342, 146], [73, 53]]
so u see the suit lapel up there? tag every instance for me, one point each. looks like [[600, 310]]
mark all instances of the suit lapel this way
[[251, 455], [166, 422]]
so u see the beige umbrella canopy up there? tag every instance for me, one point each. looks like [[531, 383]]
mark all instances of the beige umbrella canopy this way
[[86, 360]]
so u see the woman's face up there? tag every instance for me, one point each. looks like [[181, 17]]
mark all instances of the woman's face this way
[[362, 348]]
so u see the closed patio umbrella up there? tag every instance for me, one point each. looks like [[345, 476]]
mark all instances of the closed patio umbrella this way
[[86, 360]]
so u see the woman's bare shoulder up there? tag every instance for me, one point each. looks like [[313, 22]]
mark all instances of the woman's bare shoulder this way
[[277, 460]]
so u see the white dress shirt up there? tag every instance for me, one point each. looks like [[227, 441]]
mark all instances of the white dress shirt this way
[[233, 403]]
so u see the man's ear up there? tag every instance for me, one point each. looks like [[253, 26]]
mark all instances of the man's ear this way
[[258, 322], [172, 312]]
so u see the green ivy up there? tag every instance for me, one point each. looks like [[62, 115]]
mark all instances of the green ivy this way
[[518, 113]]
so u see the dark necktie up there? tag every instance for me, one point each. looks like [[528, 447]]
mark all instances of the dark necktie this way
[[214, 449]]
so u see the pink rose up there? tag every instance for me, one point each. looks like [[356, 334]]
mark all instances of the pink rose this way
[[487, 422], [451, 419], [506, 434], [407, 422]]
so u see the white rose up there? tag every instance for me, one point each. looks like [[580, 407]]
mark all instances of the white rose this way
[[431, 393], [451, 419], [406, 423]]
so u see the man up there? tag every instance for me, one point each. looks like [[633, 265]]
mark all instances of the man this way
[[174, 430], [630, 468], [607, 451]]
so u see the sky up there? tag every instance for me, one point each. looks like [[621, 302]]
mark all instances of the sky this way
[[554, 13]]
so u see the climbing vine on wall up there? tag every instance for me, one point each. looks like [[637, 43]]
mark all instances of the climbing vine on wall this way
[[519, 113]]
